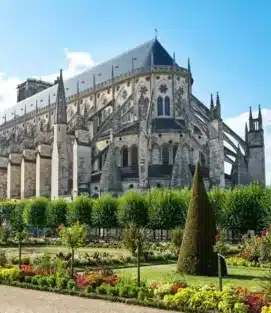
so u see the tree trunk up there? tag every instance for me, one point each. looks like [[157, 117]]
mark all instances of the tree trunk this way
[[72, 261], [138, 266], [20, 254]]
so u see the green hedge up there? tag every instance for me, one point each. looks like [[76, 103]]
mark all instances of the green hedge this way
[[239, 209]]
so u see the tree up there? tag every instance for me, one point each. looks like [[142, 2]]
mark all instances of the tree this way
[[80, 210], [246, 209], [177, 238], [133, 208], [19, 228], [34, 213], [196, 255], [56, 212], [133, 240], [6, 208], [104, 213], [73, 237], [218, 199], [167, 209]]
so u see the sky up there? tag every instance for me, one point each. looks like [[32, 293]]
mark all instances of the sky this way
[[227, 41]]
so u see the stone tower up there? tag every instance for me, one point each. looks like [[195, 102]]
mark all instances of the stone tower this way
[[216, 145], [60, 170], [255, 143]]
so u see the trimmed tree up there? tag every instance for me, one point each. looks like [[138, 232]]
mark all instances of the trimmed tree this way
[[34, 213], [80, 210], [56, 213], [197, 256]]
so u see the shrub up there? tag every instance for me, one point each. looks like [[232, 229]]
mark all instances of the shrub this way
[[42, 281], [61, 282], [102, 289], [28, 279], [113, 291], [3, 258], [51, 281], [177, 238], [71, 285], [4, 234], [9, 274], [196, 253]]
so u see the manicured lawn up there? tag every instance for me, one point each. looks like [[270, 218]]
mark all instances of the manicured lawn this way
[[57, 249], [238, 276]]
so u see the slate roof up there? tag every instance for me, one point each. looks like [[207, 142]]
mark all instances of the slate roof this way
[[103, 72], [166, 124]]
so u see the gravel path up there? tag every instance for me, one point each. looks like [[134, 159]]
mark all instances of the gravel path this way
[[17, 300]]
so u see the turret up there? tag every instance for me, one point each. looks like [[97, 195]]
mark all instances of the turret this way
[[61, 106]]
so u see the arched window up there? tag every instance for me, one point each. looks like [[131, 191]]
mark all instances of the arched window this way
[[124, 157], [167, 106], [165, 154], [155, 156], [134, 156], [160, 106]]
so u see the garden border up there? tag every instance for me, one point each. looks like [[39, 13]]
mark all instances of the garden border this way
[[131, 301]]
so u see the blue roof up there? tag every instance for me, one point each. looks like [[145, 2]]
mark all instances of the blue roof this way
[[122, 64]]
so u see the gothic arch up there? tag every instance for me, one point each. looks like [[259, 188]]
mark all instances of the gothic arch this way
[[124, 156], [160, 106], [156, 154], [134, 156], [165, 154], [167, 106]]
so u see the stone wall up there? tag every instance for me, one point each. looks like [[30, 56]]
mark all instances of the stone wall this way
[[14, 176], [43, 171], [28, 174]]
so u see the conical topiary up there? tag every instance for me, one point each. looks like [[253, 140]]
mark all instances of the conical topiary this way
[[196, 255]]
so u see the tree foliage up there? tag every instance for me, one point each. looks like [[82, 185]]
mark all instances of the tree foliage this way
[[133, 208], [80, 210], [167, 209], [34, 213], [56, 212], [246, 209], [104, 212]]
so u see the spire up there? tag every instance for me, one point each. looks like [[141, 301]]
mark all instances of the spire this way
[[174, 59], [188, 65], [217, 99], [94, 82], [260, 118], [218, 106], [61, 106], [212, 102], [250, 120]]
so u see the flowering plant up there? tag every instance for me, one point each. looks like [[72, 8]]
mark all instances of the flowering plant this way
[[95, 279], [220, 246]]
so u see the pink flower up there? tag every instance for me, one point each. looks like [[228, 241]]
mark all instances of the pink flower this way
[[217, 236]]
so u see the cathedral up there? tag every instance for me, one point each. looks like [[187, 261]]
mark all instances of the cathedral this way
[[130, 123]]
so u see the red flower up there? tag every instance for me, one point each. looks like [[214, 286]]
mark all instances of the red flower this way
[[264, 233], [60, 227], [217, 236], [154, 285]]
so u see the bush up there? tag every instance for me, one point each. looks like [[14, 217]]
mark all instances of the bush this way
[[102, 289], [3, 258], [176, 236], [4, 234], [9, 274], [51, 281], [71, 285], [61, 282], [28, 279], [42, 281]]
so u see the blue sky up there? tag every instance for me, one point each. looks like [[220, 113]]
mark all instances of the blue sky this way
[[228, 43]]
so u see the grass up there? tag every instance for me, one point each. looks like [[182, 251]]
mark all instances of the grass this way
[[238, 276], [57, 249]]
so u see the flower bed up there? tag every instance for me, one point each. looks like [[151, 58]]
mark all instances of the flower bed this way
[[172, 295]]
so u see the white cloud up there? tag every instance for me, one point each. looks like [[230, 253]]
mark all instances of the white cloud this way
[[238, 125], [76, 62]]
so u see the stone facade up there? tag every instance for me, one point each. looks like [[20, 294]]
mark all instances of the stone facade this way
[[131, 123]]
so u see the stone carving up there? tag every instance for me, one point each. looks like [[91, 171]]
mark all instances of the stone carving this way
[[163, 88]]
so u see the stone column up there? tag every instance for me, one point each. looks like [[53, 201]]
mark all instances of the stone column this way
[[14, 176], [81, 162], [3, 177], [43, 171], [28, 174]]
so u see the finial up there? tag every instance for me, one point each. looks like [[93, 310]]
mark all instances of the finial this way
[[250, 112], [94, 81], [174, 59], [260, 112], [156, 33], [112, 72], [188, 65], [217, 99], [246, 129], [212, 101]]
